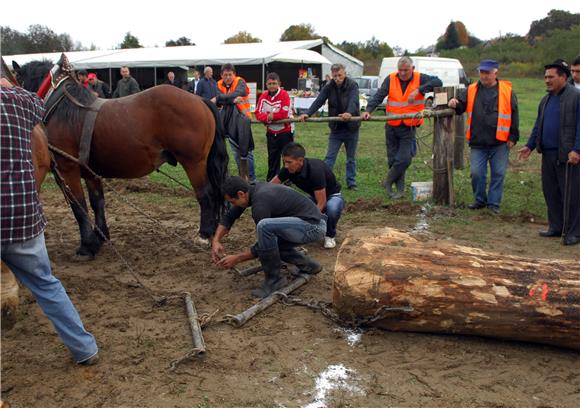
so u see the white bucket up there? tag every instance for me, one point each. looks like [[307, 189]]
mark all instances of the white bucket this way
[[421, 190]]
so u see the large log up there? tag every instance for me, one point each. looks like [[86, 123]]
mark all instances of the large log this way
[[447, 288]]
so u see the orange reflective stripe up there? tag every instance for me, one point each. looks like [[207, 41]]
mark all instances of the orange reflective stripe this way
[[398, 103], [243, 106], [504, 110]]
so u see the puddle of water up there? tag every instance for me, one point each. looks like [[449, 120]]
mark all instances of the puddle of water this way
[[335, 377], [422, 224]]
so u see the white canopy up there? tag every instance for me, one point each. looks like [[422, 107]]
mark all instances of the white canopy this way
[[302, 56], [237, 54]]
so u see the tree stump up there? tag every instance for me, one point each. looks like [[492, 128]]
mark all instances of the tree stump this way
[[391, 280]]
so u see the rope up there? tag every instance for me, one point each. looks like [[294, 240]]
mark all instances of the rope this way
[[169, 176], [120, 197]]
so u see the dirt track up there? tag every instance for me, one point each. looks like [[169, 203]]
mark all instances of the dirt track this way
[[279, 359]]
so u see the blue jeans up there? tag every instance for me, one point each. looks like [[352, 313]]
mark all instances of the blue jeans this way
[[294, 230], [31, 266], [252, 169], [334, 206], [497, 156], [350, 140]]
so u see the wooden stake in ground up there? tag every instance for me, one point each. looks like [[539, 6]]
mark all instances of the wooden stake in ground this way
[[449, 288]]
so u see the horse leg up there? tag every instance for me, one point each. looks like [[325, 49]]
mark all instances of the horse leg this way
[[97, 200], [90, 244], [198, 179]]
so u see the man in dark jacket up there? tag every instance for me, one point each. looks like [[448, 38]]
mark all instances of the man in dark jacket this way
[[284, 219], [492, 130], [171, 80], [207, 86], [343, 101], [126, 85], [98, 87], [556, 135], [406, 90]]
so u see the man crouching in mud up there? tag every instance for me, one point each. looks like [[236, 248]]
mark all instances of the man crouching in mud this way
[[284, 219]]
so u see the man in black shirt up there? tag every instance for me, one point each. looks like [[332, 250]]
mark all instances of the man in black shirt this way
[[317, 179], [284, 219]]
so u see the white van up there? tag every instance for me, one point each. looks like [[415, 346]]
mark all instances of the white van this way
[[448, 70]]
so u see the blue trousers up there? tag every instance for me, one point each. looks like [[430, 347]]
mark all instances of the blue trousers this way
[[31, 266], [497, 157], [270, 232], [334, 206], [350, 140]]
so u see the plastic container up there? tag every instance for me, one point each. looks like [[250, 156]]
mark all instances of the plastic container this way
[[421, 190]]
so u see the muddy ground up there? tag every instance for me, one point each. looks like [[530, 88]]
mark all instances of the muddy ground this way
[[288, 356]]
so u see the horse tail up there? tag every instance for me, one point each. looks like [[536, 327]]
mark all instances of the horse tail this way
[[217, 164]]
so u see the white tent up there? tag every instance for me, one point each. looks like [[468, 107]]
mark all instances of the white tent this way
[[260, 54], [237, 54]]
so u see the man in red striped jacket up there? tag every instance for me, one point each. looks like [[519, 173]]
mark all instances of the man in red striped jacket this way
[[274, 104]]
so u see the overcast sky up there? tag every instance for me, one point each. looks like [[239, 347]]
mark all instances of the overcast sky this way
[[409, 25]]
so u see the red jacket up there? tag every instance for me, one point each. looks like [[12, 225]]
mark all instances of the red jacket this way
[[280, 105]]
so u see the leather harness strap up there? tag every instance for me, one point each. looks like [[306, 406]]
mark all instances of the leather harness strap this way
[[88, 128]]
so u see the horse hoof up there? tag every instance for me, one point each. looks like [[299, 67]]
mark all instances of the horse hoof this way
[[83, 258], [202, 242]]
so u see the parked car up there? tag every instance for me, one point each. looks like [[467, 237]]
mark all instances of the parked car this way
[[449, 70], [367, 88]]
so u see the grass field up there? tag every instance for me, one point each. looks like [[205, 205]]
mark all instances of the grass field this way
[[522, 193]]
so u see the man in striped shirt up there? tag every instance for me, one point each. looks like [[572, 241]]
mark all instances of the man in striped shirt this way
[[22, 222]]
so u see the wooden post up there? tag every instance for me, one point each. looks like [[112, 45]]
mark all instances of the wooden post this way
[[443, 150]]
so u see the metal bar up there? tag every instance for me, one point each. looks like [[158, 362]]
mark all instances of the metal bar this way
[[252, 270], [242, 318], [196, 334]]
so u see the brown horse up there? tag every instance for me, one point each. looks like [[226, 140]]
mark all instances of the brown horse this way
[[132, 137]]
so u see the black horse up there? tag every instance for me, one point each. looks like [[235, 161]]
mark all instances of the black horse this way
[[132, 137]]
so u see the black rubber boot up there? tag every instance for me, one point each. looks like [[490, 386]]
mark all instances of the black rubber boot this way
[[400, 183], [391, 178], [273, 281], [304, 263]]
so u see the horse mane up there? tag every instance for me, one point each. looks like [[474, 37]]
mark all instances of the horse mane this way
[[31, 74], [67, 111]]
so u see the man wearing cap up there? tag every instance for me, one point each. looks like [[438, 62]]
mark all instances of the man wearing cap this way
[[492, 130], [406, 89], [98, 87], [556, 135]]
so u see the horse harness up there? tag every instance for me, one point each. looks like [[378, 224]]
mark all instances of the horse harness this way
[[88, 123]]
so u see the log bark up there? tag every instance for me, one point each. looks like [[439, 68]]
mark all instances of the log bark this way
[[455, 289]]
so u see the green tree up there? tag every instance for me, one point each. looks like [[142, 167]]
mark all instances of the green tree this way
[[130, 41], [242, 37], [556, 19], [299, 32], [13, 42], [179, 42], [371, 52], [38, 39]]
